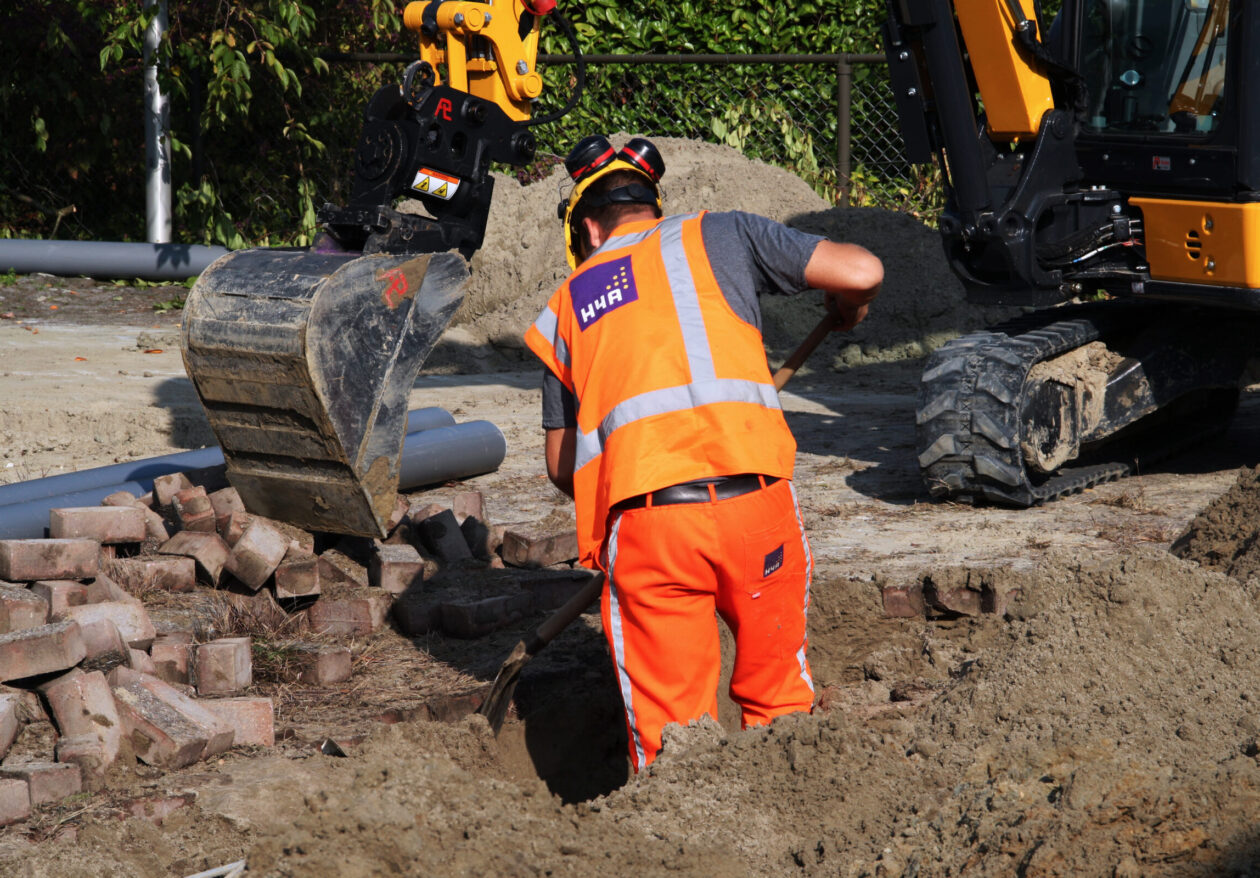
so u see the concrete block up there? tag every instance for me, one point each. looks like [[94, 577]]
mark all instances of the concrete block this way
[[42, 650], [904, 601], [297, 576], [218, 735], [172, 659], [466, 503], [10, 706], [252, 719], [338, 568], [166, 573], [479, 618], [352, 616], [131, 618], [31, 560], [225, 502], [414, 614], [165, 487], [47, 781], [192, 508], [82, 705], [207, 549], [323, 664], [223, 666], [257, 553], [105, 524], [537, 546], [60, 593], [440, 534], [15, 800], [21, 608], [396, 569]]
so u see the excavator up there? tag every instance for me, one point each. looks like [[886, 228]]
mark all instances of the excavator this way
[[304, 358], [1102, 169]]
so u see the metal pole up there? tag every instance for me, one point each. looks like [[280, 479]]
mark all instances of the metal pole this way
[[157, 145], [844, 99]]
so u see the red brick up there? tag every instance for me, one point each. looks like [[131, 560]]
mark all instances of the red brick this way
[[998, 602], [175, 574], [252, 719], [47, 781], [42, 650], [21, 608], [192, 508], [131, 618], [298, 575], [350, 616], [15, 800], [139, 660], [963, 601], [105, 524], [415, 615], [89, 754], [103, 588], [225, 502], [396, 569], [440, 534], [322, 664], [223, 666], [30, 560], [903, 601], [338, 568], [9, 709], [482, 539], [104, 645], [216, 735], [83, 706], [155, 528], [257, 553], [303, 539], [466, 503], [534, 546], [401, 506], [207, 549], [172, 659], [234, 525], [159, 734], [165, 487], [60, 593], [121, 498], [481, 617]]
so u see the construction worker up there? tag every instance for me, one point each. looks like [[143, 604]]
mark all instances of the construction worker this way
[[662, 422]]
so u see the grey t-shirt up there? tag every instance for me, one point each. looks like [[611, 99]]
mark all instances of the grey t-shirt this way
[[750, 255]]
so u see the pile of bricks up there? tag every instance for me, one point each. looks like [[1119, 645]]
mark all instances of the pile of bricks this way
[[80, 649]]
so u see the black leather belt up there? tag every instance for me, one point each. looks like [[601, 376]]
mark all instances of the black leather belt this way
[[700, 491]]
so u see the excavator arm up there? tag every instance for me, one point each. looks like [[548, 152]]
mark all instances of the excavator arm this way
[[304, 358]]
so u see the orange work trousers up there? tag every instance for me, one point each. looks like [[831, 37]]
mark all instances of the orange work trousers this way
[[669, 569]]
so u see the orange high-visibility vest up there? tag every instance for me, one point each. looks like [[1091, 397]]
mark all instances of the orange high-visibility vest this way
[[671, 385]]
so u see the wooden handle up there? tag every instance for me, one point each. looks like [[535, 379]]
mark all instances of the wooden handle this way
[[801, 354]]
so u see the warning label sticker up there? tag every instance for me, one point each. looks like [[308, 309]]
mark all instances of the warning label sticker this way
[[430, 182]]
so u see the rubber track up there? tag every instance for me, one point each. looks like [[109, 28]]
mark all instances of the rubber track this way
[[967, 420]]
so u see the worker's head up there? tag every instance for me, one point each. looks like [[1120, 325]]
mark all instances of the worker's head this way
[[610, 186]]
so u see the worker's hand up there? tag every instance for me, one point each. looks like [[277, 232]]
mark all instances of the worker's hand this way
[[846, 314]]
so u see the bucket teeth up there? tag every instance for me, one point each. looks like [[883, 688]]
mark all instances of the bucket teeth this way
[[304, 363]]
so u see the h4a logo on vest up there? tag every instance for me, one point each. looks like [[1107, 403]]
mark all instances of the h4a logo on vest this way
[[601, 289]]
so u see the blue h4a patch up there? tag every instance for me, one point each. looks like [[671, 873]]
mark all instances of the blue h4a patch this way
[[602, 289], [773, 562]]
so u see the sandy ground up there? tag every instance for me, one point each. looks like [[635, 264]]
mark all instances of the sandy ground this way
[[1105, 726]]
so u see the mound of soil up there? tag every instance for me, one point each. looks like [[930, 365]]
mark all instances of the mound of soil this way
[[1225, 534]]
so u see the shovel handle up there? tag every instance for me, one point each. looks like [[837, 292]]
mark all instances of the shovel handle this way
[[801, 354]]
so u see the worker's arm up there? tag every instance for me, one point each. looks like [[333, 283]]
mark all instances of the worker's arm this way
[[849, 276], [560, 448]]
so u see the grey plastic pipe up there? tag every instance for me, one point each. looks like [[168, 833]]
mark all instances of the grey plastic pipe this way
[[143, 472], [107, 259], [428, 457]]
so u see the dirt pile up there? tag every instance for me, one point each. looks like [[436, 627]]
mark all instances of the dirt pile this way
[[522, 263], [1225, 536]]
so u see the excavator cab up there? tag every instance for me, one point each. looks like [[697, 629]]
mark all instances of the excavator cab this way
[[1103, 166], [304, 358]]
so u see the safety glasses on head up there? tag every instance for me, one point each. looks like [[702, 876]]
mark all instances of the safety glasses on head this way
[[595, 157]]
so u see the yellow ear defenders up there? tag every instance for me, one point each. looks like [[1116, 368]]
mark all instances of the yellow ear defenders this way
[[594, 157]]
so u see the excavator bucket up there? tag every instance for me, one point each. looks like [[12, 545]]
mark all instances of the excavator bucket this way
[[304, 361]]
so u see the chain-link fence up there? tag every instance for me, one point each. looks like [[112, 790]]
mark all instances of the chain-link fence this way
[[830, 119]]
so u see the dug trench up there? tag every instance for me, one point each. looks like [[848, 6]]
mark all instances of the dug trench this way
[[1101, 720]]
